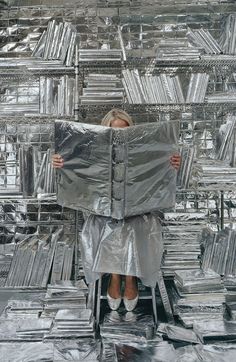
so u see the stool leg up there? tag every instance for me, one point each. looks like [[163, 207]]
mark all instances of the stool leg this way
[[98, 301], [154, 305], [91, 296], [165, 298]]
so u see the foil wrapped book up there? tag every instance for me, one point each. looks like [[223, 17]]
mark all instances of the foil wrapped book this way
[[116, 172]]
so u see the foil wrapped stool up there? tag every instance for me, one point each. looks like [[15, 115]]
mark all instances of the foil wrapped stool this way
[[164, 297]]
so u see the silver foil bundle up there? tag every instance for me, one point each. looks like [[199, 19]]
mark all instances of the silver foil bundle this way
[[226, 140], [24, 329], [197, 88], [222, 97], [26, 160], [102, 89], [177, 49], [33, 351], [32, 261], [44, 182], [57, 42], [152, 89], [217, 173], [57, 95], [116, 172], [202, 38], [220, 251], [72, 323], [64, 295], [215, 329], [181, 244], [198, 281], [36, 172], [100, 55], [188, 154], [228, 37]]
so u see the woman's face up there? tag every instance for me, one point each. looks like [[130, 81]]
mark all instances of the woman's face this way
[[119, 123]]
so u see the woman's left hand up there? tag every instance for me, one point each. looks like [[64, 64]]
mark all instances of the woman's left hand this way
[[175, 161]]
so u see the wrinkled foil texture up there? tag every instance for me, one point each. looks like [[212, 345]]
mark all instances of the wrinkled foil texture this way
[[116, 172]]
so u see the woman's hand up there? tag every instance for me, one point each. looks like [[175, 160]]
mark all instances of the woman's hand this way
[[175, 161], [57, 161]]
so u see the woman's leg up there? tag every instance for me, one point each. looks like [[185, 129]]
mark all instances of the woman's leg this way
[[114, 286], [131, 289]]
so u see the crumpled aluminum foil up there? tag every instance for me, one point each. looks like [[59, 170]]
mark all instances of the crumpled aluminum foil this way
[[122, 247], [116, 172]]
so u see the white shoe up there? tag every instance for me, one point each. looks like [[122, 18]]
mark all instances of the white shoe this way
[[130, 304], [113, 303]]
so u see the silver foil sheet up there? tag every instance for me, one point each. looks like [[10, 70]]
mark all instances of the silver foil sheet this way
[[87, 350], [138, 352], [215, 329], [33, 351], [188, 318], [177, 333], [112, 170]]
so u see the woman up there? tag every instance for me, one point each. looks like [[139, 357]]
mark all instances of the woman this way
[[140, 258]]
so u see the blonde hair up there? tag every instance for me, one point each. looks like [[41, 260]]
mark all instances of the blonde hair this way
[[114, 114]]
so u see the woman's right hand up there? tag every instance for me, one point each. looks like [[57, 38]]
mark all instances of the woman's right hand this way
[[57, 161]]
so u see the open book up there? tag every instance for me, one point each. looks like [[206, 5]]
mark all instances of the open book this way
[[116, 172]]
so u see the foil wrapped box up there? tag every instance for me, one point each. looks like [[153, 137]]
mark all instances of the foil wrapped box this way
[[116, 172]]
